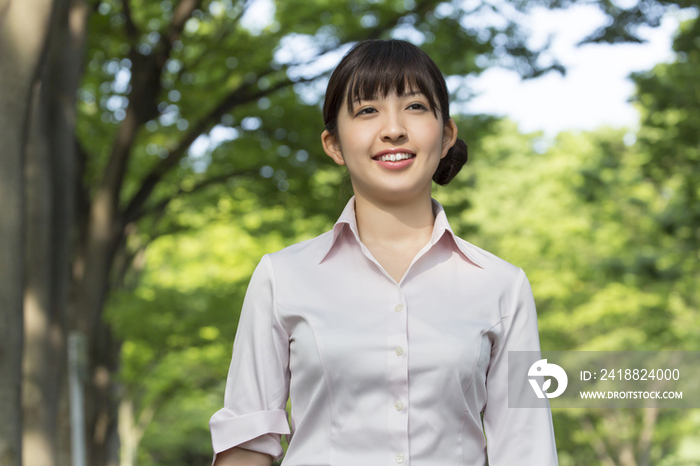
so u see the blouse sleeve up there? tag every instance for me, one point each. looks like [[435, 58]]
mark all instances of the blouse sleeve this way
[[516, 435], [257, 386]]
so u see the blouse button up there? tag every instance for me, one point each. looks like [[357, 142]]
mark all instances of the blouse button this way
[[399, 458], [398, 405], [399, 351], [398, 307]]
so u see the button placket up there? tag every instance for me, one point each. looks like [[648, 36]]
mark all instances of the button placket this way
[[397, 339]]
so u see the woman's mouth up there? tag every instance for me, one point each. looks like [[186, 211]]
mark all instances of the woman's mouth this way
[[394, 157], [396, 160]]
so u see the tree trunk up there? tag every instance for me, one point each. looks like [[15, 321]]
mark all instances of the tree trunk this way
[[23, 29], [43, 331], [51, 183], [91, 270], [90, 287], [103, 235]]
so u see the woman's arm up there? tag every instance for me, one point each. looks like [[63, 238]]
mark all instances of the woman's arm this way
[[517, 435], [257, 387], [241, 457]]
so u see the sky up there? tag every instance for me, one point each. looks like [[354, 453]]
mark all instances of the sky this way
[[596, 89], [594, 92]]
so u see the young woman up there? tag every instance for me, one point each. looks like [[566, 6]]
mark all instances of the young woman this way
[[389, 332]]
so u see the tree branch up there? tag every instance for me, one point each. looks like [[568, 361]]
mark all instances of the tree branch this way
[[146, 72], [171, 231], [82, 192], [229, 27], [160, 206], [597, 443], [626, 455], [647, 434], [182, 13], [222, 82], [132, 31], [236, 98]]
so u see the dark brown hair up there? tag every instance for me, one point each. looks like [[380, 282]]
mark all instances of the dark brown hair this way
[[376, 65]]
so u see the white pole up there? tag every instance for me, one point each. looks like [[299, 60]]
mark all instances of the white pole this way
[[77, 359]]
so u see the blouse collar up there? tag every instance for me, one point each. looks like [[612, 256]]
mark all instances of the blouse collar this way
[[439, 228]]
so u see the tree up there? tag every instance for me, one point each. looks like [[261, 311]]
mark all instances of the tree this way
[[162, 77], [196, 66], [669, 99], [23, 30], [581, 219], [51, 181]]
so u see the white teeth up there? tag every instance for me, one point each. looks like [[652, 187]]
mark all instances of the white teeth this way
[[395, 157]]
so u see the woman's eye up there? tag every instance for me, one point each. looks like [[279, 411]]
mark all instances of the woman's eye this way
[[361, 112], [418, 106]]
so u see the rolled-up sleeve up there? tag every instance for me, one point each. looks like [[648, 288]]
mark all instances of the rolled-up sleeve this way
[[523, 436], [257, 386]]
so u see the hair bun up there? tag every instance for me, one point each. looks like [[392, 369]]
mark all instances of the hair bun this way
[[452, 163]]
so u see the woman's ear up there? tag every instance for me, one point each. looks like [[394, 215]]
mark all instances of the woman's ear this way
[[331, 146], [449, 136]]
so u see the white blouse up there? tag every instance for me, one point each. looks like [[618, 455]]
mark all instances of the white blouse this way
[[383, 373]]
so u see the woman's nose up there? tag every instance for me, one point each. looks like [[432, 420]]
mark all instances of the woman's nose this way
[[392, 127]]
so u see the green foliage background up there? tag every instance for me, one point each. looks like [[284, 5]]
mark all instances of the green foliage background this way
[[608, 230]]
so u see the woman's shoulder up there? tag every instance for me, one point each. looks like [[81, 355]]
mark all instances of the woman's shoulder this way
[[308, 251], [489, 262]]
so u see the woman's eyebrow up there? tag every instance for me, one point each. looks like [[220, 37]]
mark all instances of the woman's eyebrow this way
[[415, 94], [358, 101]]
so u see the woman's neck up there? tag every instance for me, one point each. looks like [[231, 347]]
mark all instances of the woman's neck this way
[[394, 225]]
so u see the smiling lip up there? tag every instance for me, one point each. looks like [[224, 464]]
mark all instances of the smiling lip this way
[[397, 165], [396, 150]]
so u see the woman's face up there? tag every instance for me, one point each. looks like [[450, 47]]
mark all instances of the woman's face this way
[[390, 125]]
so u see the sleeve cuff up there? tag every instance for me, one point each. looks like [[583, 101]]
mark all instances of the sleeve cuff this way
[[229, 430]]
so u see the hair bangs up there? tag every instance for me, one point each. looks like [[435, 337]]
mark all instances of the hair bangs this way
[[389, 70]]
